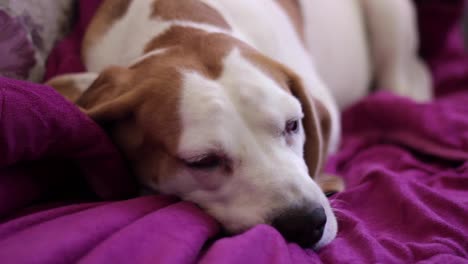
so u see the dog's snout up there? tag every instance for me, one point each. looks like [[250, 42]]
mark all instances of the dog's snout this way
[[302, 226]]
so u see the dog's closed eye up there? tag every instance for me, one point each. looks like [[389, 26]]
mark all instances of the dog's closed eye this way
[[205, 162]]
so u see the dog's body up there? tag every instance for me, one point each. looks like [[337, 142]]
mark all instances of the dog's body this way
[[206, 100]]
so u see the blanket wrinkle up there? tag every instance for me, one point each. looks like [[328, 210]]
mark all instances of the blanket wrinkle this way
[[157, 237], [12, 227], [37, 124], [84, 231]]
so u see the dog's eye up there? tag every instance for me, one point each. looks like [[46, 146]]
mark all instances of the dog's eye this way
[[292, 127], [207, 162]]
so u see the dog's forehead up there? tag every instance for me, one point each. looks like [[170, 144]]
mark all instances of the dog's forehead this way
[[254, 85], [243, 98]]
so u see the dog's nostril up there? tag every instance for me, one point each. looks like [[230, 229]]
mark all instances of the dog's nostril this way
[[305, 227]]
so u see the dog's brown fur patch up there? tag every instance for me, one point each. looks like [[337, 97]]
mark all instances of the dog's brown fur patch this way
[[188, 10]]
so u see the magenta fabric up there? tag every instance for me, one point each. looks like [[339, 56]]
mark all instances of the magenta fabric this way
[[39, 133], [405, 166]]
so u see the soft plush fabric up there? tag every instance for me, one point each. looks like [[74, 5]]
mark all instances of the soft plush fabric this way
[[405, 166], [29, 30], [44, 139]]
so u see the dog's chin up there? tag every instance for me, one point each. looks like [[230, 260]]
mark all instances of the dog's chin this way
[[329, 234]]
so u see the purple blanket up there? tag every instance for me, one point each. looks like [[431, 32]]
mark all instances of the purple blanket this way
[[63, 184]]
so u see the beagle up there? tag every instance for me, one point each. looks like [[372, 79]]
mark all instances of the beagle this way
[[234, 105]]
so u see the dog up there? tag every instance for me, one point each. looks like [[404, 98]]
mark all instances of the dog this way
[[234, 105]]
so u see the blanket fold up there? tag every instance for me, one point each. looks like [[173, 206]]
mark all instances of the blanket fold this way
[[36, 123]]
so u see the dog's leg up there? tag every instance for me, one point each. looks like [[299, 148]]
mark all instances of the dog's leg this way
[[394, 42], [71, 86]]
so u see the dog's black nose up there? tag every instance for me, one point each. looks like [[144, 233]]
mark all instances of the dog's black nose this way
[[303, 226]]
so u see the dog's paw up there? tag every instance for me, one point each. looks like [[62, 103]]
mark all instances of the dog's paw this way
[[413, 81]]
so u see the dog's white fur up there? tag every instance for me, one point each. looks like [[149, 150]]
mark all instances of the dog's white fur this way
[[336, 64], [265, 161], [356, 42]]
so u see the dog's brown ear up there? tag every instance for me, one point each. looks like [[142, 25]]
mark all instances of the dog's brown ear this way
[[314, 147], [72, 85], [109, 97], [317, 128]]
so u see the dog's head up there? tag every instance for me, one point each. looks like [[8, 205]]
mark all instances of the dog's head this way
[[226, 128]]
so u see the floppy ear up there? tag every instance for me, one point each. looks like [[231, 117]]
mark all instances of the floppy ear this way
[[317, 128], [73, 85], [313, 149], [109, 97]]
